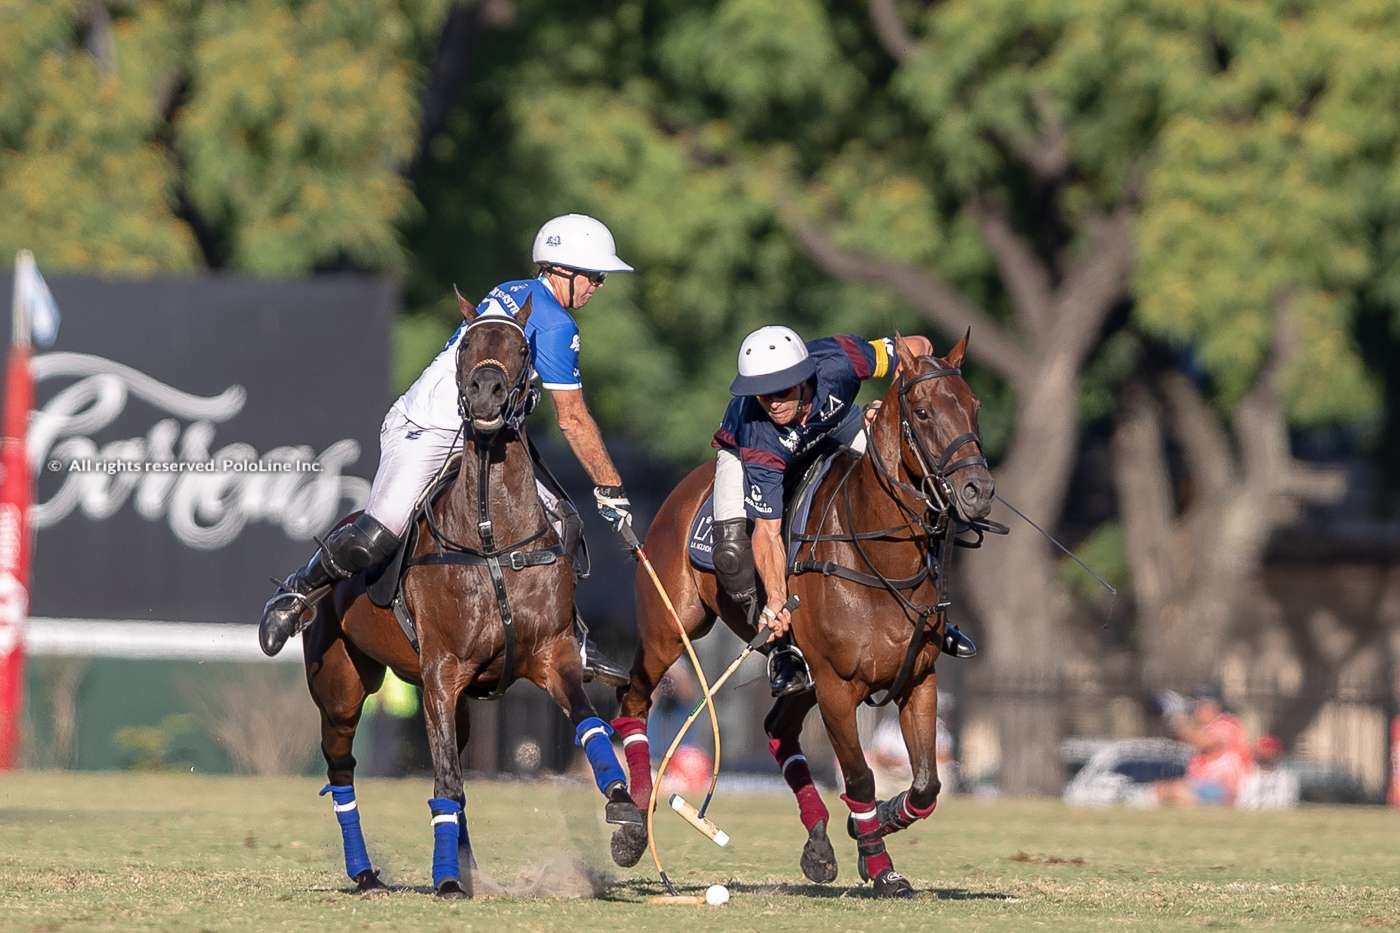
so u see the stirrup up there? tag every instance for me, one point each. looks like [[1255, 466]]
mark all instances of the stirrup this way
[[305, 603], [957, 644], [802, 679]]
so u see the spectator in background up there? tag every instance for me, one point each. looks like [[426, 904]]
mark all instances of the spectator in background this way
[[1271, 784], [1222, 759]]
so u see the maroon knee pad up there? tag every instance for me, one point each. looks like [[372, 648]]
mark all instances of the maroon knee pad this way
[[637, 749], [870, 842], [788, 754]]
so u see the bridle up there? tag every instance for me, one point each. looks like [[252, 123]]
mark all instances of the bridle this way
[[933, 525], [935, 488], [518, 399], [518, 404]]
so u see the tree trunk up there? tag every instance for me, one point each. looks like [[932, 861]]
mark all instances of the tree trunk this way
[[1012, 585]]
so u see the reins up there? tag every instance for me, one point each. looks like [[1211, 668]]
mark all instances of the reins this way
[[934, 491], [496, 559]]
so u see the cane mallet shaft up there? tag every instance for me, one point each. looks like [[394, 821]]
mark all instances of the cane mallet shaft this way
[[630, 536], [694, 817]]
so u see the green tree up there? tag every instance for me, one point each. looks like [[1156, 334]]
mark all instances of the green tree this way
[[266, 137]]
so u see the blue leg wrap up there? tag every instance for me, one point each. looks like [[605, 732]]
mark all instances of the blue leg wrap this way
[[446, 812], [347, 813], [593, 735]]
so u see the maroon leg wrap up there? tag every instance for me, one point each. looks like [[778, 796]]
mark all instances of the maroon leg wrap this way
[[788, 754], [874, 860], [637, 750], [898, 813]]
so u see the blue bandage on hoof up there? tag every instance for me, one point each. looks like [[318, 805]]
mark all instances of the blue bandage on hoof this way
[[593, 736], [347, 814], [446, 866]]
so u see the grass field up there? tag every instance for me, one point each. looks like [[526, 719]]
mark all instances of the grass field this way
[[186, 852]]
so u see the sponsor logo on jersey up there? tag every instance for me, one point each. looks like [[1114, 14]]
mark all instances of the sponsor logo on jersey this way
[[574, 344], [788, 439], [831, 407]]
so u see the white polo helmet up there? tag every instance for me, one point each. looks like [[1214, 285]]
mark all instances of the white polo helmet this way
[[771, 359], [578, 242]]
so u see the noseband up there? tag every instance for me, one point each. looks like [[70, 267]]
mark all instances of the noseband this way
[[520, 399]]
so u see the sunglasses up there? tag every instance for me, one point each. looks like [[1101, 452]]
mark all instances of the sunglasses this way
[[783, 396], [594, 278]]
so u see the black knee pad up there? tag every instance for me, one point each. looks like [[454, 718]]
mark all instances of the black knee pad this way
[[360, 545], [733, 556]]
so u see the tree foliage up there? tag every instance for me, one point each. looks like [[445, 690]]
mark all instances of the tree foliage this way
[[266, 137]]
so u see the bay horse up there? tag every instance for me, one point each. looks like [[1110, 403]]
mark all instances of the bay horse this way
[[490, 591], [873, 614]]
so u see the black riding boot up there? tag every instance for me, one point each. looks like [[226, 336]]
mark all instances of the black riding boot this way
[[787, 669], [957, 644], [596, 665], [358, 545]]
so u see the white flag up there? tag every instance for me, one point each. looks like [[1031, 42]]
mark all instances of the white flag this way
[[36, 301]]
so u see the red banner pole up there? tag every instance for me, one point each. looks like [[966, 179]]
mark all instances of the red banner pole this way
[[14, 530]]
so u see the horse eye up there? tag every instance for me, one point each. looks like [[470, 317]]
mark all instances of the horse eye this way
[[921, 414]]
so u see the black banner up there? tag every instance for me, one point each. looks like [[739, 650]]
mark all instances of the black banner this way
[[192, 435]]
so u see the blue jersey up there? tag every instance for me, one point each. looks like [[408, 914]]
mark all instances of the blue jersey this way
[[552, 332], [766, 450]]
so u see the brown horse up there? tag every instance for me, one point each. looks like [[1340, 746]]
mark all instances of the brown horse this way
[[872, 616], [491, 592]]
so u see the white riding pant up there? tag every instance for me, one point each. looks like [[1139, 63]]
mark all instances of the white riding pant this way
[[729, 481], [410, 458]]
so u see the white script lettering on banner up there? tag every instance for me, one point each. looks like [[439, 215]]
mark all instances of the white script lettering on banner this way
[[205, 509], [14, 600]]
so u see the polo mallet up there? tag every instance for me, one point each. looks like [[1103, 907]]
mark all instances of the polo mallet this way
[[691, 815], [630, 536]]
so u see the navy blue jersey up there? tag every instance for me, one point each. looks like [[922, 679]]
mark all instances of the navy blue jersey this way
[[766, 450]]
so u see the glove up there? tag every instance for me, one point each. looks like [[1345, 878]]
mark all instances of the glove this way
[[1172, 704], [614, 506]]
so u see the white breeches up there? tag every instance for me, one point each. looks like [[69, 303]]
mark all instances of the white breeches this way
[[410, 458]]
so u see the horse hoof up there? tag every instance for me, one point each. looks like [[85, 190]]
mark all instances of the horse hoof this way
[[452, 889], [818, 858], [891, 883], [623, 813], [628, 844], [367, 883]]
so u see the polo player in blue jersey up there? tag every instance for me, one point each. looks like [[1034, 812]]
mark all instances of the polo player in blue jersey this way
[[574, 255], [792, 402]]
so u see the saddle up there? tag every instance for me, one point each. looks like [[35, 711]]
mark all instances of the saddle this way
[[797, 508]]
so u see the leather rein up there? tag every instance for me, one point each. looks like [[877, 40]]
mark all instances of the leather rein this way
[[495, 558], [931, 528]]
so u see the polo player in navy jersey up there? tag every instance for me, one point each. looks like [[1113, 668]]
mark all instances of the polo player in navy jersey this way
[[792, 400], [574, 255]]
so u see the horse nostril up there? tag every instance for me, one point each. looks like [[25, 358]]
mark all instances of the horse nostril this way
[[970, 492]]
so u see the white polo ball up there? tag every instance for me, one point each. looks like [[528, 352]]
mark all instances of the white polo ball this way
[[716, 895]]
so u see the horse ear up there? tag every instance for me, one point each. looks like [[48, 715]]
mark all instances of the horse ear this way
[[466, 307], [908, 362], [523, 314], [955, 355]]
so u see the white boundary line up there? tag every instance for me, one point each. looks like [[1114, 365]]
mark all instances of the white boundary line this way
[[149, 640]]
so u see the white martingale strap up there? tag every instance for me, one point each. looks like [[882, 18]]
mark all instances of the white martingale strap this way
[[635, 738], [596, 730], [343, 807], [444, 818], [801, 758]]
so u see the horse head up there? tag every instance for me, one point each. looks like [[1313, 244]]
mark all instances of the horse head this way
[[493, 366], [938, 420]]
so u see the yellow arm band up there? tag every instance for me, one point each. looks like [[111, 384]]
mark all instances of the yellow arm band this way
[[882, 358]]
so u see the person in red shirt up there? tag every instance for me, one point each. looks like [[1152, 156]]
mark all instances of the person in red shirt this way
[[1222, 756]]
